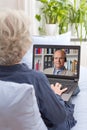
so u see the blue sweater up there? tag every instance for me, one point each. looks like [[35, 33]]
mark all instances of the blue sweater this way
[[57, 114]]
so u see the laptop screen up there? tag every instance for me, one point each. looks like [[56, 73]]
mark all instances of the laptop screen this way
[[57, 60]]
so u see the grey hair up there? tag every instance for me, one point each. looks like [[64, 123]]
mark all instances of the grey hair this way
[[15, 37]]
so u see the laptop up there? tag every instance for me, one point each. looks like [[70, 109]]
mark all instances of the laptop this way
[[43, 61]]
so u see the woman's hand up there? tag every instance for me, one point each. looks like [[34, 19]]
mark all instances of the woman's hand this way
[[57, 88]]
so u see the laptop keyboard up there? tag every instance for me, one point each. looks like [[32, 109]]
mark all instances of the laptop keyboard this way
[[70, 84]]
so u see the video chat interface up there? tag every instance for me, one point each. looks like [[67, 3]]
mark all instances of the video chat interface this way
[[43, 58]]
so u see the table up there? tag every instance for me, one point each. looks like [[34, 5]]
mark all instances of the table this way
[[80, 102]]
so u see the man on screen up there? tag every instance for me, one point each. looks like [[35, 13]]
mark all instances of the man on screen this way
[[59, 59]]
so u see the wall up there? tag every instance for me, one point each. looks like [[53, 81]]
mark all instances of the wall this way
[[9, 4], [83, 45], [84, 54]]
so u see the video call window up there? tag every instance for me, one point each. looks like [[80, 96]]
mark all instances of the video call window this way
[[44, 59]]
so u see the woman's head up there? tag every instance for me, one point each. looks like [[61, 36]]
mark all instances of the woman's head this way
[[15, 37]]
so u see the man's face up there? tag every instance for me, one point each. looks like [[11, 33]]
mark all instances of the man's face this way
[[59, 59]]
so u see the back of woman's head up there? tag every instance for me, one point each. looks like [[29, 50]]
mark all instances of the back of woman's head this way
[[15, 38]]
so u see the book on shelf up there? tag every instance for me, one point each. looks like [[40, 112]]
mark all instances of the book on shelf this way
[[72, 65], [47, 61], [38, 50], [48, 51], [38, 65]]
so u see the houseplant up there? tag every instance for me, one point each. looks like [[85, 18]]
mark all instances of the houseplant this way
[[77, 17], [64, 13], [54, 12], [48, 12]]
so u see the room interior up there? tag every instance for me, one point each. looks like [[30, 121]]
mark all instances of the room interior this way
[[29, 6]]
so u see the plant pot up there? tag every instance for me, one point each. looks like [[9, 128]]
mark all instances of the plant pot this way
[[51, 29]]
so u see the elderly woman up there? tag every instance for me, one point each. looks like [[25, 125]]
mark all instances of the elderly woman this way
[[15, 40]]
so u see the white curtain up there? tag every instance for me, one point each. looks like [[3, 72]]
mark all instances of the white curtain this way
[[21, 4], [29, 6]]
